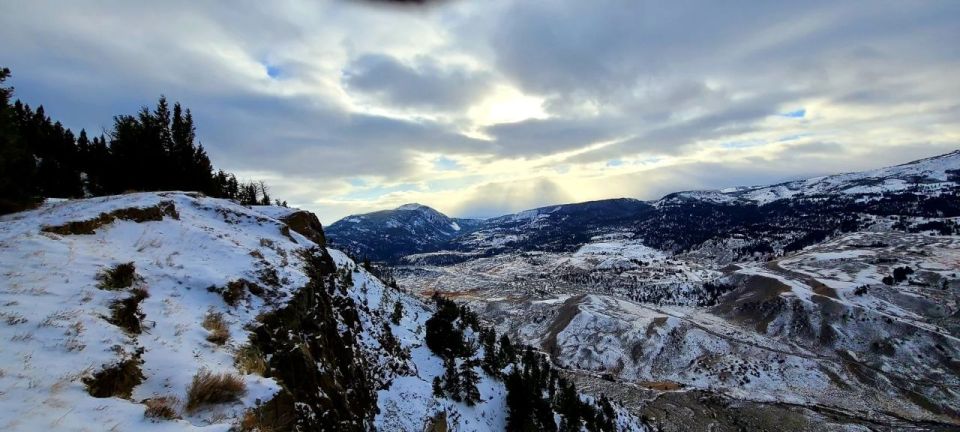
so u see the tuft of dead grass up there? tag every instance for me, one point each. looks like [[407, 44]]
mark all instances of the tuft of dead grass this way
[[162, 408], [250, 360], [125, 313], [118, 277], [255, 421], [117, 380], [219, 331], [209, 388]]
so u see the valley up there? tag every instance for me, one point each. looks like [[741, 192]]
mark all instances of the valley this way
[[829, 304]]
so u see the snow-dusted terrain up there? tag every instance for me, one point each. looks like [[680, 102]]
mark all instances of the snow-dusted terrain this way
[[60, 329], [824, 304]]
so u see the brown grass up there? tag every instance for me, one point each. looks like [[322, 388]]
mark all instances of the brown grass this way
[[254, 420], [125, 313], [118, 277], [117, 380], [139, 215], [162, 408], [219, 331], [250, 360], [209, 388]]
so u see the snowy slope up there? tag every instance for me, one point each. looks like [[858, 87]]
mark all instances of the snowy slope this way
[[57, 330]]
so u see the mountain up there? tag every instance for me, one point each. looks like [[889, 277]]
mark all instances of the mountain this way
[[388, 235], [821, 304], [175, 311], [772, 219], [930, 176]]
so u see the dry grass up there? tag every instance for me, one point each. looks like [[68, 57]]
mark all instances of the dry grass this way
[[219, 331], [139, 215], [125, 313], [255, 420], [115, 381], [250, 360], [162, 408], [209, 388], [119, 277]]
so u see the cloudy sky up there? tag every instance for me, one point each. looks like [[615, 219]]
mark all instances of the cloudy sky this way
[[480, 108]]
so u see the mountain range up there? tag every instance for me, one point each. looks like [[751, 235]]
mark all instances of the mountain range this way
[[781, 217]]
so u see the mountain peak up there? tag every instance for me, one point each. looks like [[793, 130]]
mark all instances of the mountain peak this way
[[414, 206]]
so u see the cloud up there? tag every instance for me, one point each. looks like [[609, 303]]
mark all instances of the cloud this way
[[620, 98], [425, 84], [495, 199]]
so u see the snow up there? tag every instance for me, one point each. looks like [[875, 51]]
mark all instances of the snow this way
[[412, 207], [54, 332], [49, 282]]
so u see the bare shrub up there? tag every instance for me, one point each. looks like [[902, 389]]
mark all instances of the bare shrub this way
[[209, 388]]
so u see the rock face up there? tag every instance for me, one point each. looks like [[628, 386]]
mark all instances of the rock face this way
[[306, 224], [319, 326]]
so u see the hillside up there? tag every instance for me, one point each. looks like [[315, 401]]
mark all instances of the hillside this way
[[174, 311]]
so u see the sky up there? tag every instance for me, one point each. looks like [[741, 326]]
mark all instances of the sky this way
[[481, 108]]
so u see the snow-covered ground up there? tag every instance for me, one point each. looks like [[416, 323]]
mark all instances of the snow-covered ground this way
[[55, 330]]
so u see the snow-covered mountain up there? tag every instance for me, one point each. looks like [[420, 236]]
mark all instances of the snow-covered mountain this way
[[930, 176], [174, 311], [389, 234], [824, 304]]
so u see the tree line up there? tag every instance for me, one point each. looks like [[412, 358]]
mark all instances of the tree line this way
[[154, 149]]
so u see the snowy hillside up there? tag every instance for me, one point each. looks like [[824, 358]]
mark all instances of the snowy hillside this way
[[173, 311]]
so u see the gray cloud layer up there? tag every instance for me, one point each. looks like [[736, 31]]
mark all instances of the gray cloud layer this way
[[366, 92]]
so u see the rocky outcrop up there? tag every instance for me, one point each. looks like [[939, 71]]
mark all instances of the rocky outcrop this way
[[314, 353], [307, 225]]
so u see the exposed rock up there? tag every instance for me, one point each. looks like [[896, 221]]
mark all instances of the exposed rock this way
[[306, 224]]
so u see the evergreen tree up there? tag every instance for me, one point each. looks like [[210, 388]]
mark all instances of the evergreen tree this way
[[491, 361], [451, 381], [397, 312], [437, 387], [153, 149], [17, 165], [469, 378], [507, 352]]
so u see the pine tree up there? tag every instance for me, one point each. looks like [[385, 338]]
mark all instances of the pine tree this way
[[491, 361], [469, 378], [437, 387], [397, 312], [17, 165], [508, 354], [451, 381]]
